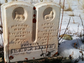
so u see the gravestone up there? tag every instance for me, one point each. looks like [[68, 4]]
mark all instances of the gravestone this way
[[17, 26], [30, 32], [48, 16]]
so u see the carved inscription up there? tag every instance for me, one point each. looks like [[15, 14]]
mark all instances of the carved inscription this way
[[29, 48], [19, 33], [48, 31]]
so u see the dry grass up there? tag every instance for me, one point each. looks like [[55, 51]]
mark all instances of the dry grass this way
[[0, 59], [69, 9], [69, 5], [0, 4], [81, 4]]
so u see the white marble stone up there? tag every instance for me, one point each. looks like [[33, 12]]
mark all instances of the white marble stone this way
[[25, 39], [48, 16], [17, 28]]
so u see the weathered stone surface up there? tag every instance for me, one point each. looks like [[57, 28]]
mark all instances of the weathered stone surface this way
[[17, 26], [27, 38], [48, 15]]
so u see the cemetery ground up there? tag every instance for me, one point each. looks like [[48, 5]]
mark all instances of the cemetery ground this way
[[71, 49]]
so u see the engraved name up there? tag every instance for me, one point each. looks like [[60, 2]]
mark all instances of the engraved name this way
[[28, 48]]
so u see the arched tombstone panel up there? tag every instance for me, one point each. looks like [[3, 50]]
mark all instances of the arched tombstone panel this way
[[17, 29], [48, 16]]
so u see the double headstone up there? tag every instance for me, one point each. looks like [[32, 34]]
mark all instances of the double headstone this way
[[30, 31]]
